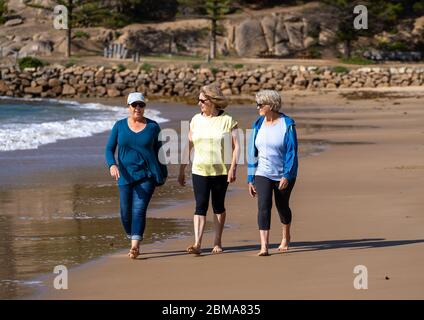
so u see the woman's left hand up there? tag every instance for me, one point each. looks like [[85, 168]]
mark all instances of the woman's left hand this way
[[284, 182], [232, 175]]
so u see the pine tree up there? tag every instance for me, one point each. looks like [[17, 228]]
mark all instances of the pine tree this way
[[214, 10]]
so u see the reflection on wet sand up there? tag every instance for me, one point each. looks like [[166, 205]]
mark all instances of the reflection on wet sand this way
[[66, 224]]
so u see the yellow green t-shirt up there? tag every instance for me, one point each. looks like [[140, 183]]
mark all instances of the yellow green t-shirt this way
[[212, 142]]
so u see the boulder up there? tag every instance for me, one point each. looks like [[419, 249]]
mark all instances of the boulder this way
[[36, 48], [68, 90], [3, 87], [33, 90], [295, 33], [269, 24], [326, 36], [13, 22], [250, 40], [280, 31], [112, 92]]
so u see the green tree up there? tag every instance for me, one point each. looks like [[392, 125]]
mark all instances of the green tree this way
[[214, 10], [71, 5], [3, 11]]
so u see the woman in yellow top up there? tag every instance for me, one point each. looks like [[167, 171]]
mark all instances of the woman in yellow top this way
[[213, 136]]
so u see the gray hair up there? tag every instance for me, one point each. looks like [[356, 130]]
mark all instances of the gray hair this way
[[269, 97]]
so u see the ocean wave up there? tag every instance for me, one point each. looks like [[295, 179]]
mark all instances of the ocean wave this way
[[24, 136]]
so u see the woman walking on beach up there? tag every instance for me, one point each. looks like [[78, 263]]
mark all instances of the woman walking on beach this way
[[272, 165], [213, 136], [139, 170]]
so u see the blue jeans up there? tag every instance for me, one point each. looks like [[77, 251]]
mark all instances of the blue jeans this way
[[134, 199]]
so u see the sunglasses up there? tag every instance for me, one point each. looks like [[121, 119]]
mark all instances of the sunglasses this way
[[203, 100], [259, 105], [138, 104]]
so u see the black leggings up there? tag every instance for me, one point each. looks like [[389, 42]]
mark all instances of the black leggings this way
[[203, 186], [264, 189]]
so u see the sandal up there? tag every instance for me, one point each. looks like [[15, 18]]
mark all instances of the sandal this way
[[194, 250], [134, 253]]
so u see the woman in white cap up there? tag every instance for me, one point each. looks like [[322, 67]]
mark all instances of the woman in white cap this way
[[139, 170], [213, 136]]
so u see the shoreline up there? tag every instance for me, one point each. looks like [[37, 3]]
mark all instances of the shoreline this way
[[316, 250]]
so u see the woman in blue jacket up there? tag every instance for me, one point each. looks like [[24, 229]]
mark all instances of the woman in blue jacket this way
[[272, 165], [139, 170]]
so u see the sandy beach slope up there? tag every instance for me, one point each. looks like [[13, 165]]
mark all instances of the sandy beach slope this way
[[360, 202]]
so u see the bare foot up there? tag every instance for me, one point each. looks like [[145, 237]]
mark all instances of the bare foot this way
[[284, 246], [194, 249], [134, 253], [263, 253], [217, 249]]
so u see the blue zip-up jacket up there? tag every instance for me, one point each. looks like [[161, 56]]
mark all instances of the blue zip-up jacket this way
[[290, 162]]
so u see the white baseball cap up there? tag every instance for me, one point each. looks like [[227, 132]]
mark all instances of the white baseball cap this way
[[135, 97]]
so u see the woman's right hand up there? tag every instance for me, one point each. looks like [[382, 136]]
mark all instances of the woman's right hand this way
[[114, 171], [252, 190], [181, 179]]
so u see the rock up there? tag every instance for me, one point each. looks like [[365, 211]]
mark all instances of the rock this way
[[112, 92], [418, 26], [309, 42], [54, 82], [227, 92], [326, 37], [68, 90], [295, 33], [269, 24], [281, 50], [250, 40], [37, 48], [101, 91], [33, 90], [252, 80], [3, 87], [280, 31], [13, 22]]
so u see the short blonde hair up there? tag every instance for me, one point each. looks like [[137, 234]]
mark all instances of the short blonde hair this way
[[269, 97], [214, 93]]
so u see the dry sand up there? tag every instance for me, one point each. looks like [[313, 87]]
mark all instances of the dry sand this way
[[358, 203]]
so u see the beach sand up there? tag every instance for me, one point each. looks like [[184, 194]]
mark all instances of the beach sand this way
[[357, 203]]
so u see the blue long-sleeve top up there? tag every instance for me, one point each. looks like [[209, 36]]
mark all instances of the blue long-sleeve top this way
[[289, 160], [138, 152]]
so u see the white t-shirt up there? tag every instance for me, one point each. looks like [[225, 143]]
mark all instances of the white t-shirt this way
[[269, 142]]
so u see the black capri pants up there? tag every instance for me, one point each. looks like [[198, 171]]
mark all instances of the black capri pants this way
[[264, 189], [203, 186]]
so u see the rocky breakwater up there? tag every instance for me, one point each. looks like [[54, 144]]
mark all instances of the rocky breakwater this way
[[80, 81]]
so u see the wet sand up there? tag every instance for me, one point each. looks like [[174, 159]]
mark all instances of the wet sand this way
[[357, 203]]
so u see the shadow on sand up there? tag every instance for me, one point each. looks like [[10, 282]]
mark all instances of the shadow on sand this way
[[295, 247]]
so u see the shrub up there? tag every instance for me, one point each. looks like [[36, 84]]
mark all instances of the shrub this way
[[314, 53], [146, 67], [70, 63], [121, 67], [30, 62], [81, 34], [3, 10], [340, 69], [357, 60], [214, 70], [238, 66], [196, 66]]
